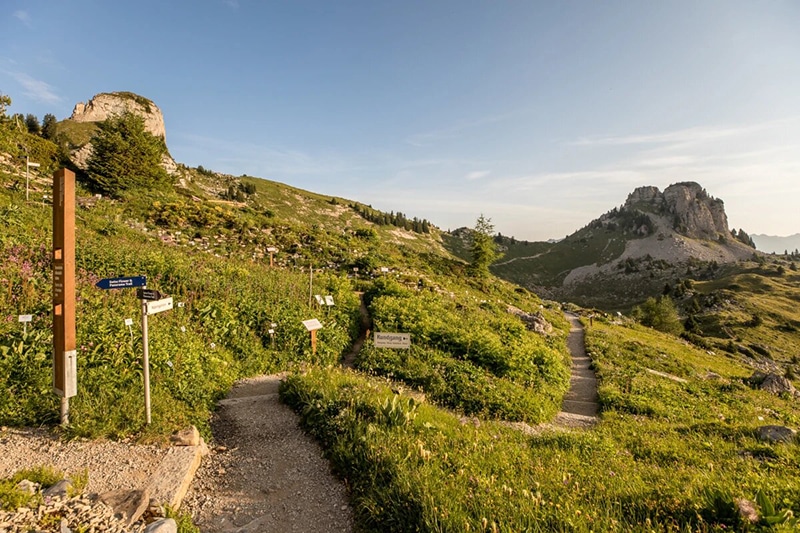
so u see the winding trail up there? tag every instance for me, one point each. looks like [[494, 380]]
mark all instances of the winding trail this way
[[265, 474], [580, 407]]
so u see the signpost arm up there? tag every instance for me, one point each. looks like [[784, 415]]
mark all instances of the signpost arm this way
[[145, 362]]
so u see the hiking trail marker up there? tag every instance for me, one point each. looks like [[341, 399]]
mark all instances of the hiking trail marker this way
[[121, 283], [312, 326], [398, 341], [65, 380], [153, 302]]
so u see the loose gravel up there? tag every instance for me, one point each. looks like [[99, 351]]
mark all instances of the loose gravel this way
[[264, 474]]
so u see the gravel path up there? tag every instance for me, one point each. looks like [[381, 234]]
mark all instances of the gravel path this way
[[265, 474], [580, 407], [111, 465]]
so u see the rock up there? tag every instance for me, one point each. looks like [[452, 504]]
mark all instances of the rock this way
[[771, 382], [104, 105], [166, 525], [775, 434], [777, 384], [130, 504], [27, 486], [186, 437], [60, 489], [535, 322]]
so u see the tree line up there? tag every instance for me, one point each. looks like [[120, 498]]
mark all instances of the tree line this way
[[392, 219]]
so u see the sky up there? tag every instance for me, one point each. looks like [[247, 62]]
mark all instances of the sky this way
[[540, 115]]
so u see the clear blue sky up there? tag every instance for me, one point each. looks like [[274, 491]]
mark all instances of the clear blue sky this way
[[540, 115]]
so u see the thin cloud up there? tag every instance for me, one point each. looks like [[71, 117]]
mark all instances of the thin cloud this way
[[457, 130], [233, 4], [682, 136], [23, 16], [476, 175], [36, 89]]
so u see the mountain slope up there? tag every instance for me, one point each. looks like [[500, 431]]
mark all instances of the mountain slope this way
[[632, 251]]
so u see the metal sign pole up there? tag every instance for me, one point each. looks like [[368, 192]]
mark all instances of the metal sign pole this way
[[146, 361]]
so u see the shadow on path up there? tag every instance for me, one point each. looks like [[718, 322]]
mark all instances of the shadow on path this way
[[365, 324]]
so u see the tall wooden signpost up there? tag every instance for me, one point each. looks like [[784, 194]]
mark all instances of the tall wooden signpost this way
[[65, 383]]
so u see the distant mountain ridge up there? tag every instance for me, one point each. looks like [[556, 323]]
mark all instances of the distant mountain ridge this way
[[632, 251], [776, 244]]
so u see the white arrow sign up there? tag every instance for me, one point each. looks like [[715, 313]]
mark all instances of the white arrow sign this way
[[158, 306]]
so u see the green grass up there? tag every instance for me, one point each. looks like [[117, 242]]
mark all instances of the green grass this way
[[667, 456]]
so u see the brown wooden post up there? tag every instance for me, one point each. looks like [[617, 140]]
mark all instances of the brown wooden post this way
[[64, 354], [314, 342]]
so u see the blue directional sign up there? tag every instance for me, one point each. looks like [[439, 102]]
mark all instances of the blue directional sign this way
[[122, 283]]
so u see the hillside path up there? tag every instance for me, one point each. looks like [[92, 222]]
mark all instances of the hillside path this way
[[265, 474], [365, 323], [580, 406]]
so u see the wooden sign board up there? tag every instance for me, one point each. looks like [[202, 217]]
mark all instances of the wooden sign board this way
[[312, 325], [401, 341], [65, 383]]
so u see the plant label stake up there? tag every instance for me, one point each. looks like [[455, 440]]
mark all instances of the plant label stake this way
[[312, 326], [149, 307], [272, 334], [65, 382], [129, 323], [25, 319]]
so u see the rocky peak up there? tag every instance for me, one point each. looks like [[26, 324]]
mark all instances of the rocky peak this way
[[105, 105], [694, 213]]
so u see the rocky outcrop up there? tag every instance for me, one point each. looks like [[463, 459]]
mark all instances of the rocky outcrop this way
[[105, 105], [694, 213]]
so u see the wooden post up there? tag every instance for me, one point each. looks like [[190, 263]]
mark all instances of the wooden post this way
[[314, 342], [65, 382]]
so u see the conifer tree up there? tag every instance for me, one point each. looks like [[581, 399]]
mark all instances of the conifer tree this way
[[126, 156]]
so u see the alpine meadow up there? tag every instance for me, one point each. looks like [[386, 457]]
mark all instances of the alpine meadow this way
[[692, 334]]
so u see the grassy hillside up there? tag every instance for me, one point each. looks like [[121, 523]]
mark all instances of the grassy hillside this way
[[675, 449], [206, 244], [428, 439], [750, 310]]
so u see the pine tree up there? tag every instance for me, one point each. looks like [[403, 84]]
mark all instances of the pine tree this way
[[125, 156], [483, 249], [32, 123], [49, 127]]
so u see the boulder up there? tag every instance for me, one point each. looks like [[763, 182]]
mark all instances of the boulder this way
[[775, 434], [129, 504], [186, 437]]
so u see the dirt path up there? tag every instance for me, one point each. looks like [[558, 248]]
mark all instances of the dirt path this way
[[580, 407], [365, 323], [265, 475]]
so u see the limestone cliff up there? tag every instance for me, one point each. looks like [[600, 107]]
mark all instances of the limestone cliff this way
[[105, 105], [694, 213]]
